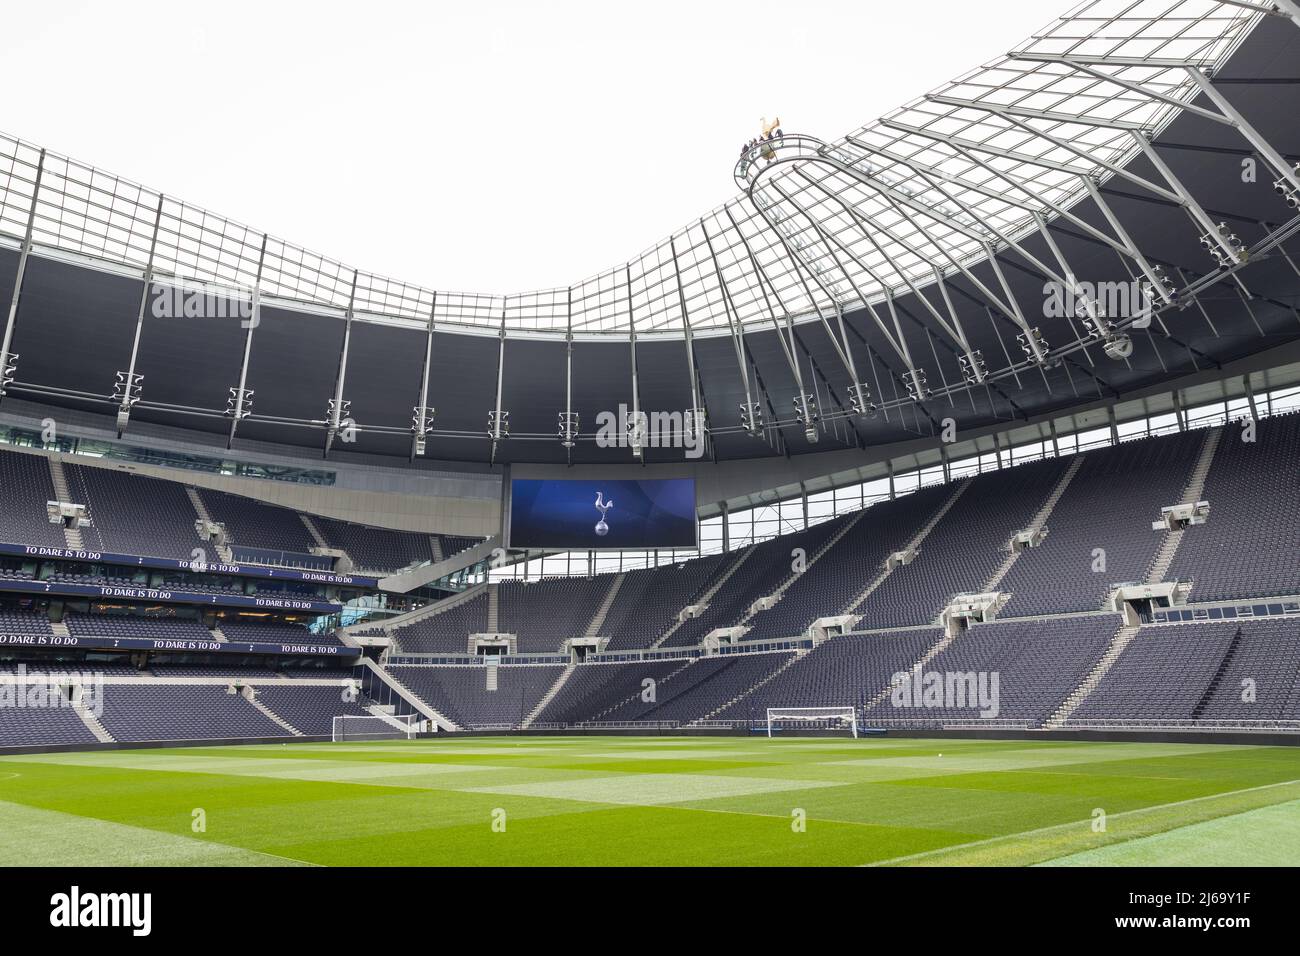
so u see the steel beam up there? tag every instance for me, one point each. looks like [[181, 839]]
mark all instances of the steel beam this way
[[6, 365], [128, 386], [237, 411], [335, 419]]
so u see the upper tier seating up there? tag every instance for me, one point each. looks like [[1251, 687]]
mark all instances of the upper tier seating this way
[[760, 574], [253, 524], [649, 599], [384, 550], [543, 614], [963, 550], [248, 631], [839, 576], [1108, 507], [376, 549], [1248, 547], [446, 632], [135, 514], [25, 487]]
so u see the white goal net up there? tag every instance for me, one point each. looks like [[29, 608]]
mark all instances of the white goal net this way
[[822, 718], [382, 727]]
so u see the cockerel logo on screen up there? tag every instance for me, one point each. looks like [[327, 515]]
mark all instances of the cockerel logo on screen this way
[[602, 506]]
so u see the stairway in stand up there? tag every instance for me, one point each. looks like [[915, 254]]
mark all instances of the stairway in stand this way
[[1123, 637], [548, 696]]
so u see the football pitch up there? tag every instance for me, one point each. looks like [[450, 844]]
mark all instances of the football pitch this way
[[655, 801]]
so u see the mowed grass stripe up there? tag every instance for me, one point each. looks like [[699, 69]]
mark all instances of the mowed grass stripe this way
[[631, 801], [1269, 836], [1049, 843], [34, 837]]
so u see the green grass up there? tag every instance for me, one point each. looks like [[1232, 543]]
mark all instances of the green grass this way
[[655, 801]]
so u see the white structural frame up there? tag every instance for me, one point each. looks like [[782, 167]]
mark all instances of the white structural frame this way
[[809, 714], [1060, 108]]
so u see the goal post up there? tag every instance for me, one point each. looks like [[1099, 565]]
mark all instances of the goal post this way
[[370, 727], [828, 717]]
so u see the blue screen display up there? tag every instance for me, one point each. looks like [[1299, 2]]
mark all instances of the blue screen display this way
[[578, 515]]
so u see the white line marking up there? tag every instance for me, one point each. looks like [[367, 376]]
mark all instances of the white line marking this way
[[1078, 823]]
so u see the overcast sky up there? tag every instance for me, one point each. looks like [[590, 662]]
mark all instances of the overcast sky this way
[[491, 146]]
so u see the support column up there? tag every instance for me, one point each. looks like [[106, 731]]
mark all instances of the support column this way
[[128, 381], [422, 421], [241, 398], [337, 409], [1250, 396], [8, 361], [497, 428], [637, 439]]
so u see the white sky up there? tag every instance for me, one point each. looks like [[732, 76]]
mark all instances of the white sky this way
[[480, 147]]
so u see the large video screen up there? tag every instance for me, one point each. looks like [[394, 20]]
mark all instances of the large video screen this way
[[579, 515]]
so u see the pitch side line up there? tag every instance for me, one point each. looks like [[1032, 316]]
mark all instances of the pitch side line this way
[[1063, 826]]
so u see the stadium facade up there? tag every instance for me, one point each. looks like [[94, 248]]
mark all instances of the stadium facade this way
[[1000, 383]]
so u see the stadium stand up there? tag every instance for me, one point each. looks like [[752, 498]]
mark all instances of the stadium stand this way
[[1248, 546], [1037, 663], [27, 486], [159, 711], [702, 688], [310, 709], [649, 599], [543, 614], [1049, 644], [384, 551], [136, 514], [761, 573], [244, 630], [132, 626], [460, 692], [964, 549], [845, 671], [14, 621], [445, 631], [833, 583], [1105, 513], [593, 690], [257, 526], [1195, 671], [42, 726]]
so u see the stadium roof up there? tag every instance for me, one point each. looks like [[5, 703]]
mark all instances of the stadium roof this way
[[934, 182]]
